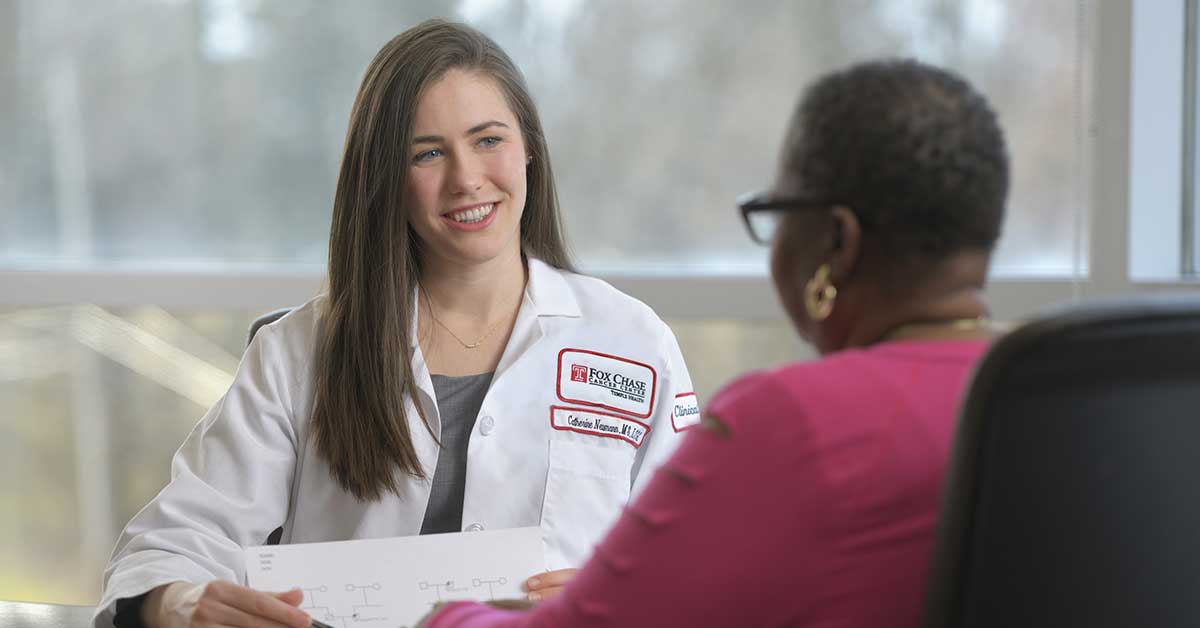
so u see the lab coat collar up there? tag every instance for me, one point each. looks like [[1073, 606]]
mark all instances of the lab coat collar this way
[[548, 291]]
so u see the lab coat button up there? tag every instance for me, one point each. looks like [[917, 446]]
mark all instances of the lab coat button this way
[[474, 527], [486, 425]]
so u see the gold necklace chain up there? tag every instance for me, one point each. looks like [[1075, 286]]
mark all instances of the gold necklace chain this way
[[956, 325], [465, 344]]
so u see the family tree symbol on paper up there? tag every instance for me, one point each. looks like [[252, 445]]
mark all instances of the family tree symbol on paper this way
[[476, 583], [366, 604], [358, 612]]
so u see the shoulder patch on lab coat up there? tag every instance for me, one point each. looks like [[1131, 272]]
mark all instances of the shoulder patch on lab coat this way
[[686, 412], [597, 423], [606, 381]]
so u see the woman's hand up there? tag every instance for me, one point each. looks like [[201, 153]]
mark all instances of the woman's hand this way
[[222, 604], [548, 584]]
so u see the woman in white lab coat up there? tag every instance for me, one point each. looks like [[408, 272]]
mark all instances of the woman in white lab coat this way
[[446, 267]]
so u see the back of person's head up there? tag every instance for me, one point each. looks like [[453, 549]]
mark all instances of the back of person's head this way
[[912, 149], [890, 196]]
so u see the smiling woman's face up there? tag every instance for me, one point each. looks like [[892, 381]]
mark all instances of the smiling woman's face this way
[[466, 181]]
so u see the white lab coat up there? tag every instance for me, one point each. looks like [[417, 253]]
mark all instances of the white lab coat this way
[[560, 452]]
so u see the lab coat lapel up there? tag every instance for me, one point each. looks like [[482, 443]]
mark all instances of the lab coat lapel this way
[[546, 295], [427, 447]]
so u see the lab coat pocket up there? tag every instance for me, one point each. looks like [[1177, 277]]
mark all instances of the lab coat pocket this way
[[586, 488]]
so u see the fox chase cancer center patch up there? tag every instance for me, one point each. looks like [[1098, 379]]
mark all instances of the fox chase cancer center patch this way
[[686, 412], [606, 381], [597, 423]]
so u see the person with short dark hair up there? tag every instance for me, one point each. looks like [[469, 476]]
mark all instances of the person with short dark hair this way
[[810, 496]]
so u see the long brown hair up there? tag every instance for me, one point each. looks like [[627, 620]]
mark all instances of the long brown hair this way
[[363, 359]]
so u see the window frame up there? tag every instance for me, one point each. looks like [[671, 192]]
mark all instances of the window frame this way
[[1133, 244]]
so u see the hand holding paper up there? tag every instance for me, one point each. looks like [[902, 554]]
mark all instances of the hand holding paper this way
[[549, 584]]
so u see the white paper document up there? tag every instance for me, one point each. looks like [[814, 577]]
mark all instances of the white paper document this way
[[392, 583]]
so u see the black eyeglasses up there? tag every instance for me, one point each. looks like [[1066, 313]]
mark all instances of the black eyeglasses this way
[[762, 213]]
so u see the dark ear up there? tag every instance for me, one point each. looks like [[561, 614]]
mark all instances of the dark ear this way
[[846, 244]]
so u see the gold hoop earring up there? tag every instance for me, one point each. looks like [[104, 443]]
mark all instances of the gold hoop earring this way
[[819, 294]]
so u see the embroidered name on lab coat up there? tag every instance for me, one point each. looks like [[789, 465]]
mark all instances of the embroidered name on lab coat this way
[[606, 381], [686, 412], [596, 423]]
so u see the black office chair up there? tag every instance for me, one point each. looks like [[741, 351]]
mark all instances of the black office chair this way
[[267, 319], [1073, 496]]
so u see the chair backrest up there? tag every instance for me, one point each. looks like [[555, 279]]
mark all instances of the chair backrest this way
[[1073, 495], [265, 319]]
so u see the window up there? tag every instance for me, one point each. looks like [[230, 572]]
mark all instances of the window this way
[[1163, 164], [208, 134], [1156, 121]]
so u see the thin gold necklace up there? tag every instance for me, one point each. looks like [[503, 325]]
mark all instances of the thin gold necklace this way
[[465, 344], [955, 325]]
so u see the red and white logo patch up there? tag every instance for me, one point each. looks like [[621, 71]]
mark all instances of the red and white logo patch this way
[[606, 381], [579, 373], [597, 423], [686, 412]]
